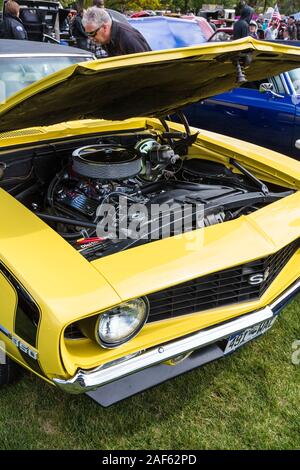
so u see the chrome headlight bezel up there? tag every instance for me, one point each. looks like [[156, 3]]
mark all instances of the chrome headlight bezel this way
[[135, 332]]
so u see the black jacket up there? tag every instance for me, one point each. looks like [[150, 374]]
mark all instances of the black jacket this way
[[13, 28], [292, 29], [241, 27], [125, 40], [77, 28]]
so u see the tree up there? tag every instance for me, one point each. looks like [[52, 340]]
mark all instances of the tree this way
[[134, 5]]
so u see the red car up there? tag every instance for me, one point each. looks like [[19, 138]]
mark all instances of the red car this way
[[222, 34]]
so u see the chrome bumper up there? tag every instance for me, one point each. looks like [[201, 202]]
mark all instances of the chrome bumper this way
[[85, 380]]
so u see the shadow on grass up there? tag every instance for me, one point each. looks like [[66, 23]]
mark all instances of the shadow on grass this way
[[247, 400]]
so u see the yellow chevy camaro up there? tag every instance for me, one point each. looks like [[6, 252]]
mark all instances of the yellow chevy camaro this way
[[134, 249]]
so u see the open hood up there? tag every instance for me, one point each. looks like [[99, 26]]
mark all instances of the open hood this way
[[149, 84]]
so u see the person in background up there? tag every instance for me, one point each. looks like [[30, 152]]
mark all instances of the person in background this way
[[285, 34], [298, 29], [292, 29], [282, 26], [95, 48], [209, 20], [240, 5], [265, 24], [12, 27], [253, 29], [115, 37], [271, 32], [260, 33], [70, 18], [241, 27], [78, 30], [260, 21]]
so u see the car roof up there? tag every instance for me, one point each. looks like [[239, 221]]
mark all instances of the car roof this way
[[13, 46], [163, 32], [157, 19]]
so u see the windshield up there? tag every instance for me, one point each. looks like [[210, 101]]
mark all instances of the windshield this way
[[295, 78], [18, 72]]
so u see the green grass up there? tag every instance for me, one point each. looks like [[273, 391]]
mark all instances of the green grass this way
[[249, 400]]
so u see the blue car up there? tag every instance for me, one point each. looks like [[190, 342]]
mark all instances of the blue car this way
[[265, 112]]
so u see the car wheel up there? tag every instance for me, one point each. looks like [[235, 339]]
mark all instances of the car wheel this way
[[9, 372]]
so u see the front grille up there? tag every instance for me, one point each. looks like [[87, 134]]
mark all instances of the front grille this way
[[222, 288], [73, 332]]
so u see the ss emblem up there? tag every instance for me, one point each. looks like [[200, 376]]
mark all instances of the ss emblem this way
[[258, 278]]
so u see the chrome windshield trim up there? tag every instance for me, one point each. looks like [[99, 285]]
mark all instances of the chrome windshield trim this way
[[283, 81], [85, 380]]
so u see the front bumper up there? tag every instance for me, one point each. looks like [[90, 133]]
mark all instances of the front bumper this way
[[87, 380]]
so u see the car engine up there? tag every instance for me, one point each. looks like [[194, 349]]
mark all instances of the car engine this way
[[117, 192]]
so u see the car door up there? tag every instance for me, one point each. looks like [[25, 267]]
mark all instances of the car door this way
[[247, 114], [293, 81]]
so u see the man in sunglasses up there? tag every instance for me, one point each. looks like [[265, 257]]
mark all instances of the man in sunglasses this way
[[115, 37]]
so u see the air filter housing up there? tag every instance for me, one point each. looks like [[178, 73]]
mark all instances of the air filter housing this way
[[106, 162]]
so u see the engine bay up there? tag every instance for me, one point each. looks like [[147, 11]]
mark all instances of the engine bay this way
[[98, 193]]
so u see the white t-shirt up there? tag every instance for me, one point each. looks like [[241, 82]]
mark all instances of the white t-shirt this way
[[271, 33]]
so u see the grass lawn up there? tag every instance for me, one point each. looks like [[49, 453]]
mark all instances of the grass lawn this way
[[249, 400]]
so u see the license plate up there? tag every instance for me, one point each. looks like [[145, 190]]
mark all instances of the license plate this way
[[238, 339]]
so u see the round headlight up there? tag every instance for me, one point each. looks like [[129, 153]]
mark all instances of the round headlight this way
[[121, 323]]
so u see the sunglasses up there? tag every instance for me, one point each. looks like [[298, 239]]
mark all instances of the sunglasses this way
[[92, 34]]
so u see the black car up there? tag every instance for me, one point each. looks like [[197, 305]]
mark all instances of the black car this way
[[40, 18], [24, 62]]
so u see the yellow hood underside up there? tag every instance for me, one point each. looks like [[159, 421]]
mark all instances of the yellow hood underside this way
[[151, 84]]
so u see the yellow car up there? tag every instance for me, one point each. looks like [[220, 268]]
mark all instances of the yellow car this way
[[134, 249]]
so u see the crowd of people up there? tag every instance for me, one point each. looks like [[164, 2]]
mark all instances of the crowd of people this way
[[101, 30], [106, 33], [286, 28]]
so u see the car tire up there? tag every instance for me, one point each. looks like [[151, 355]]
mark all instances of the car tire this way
[[9, 372]]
